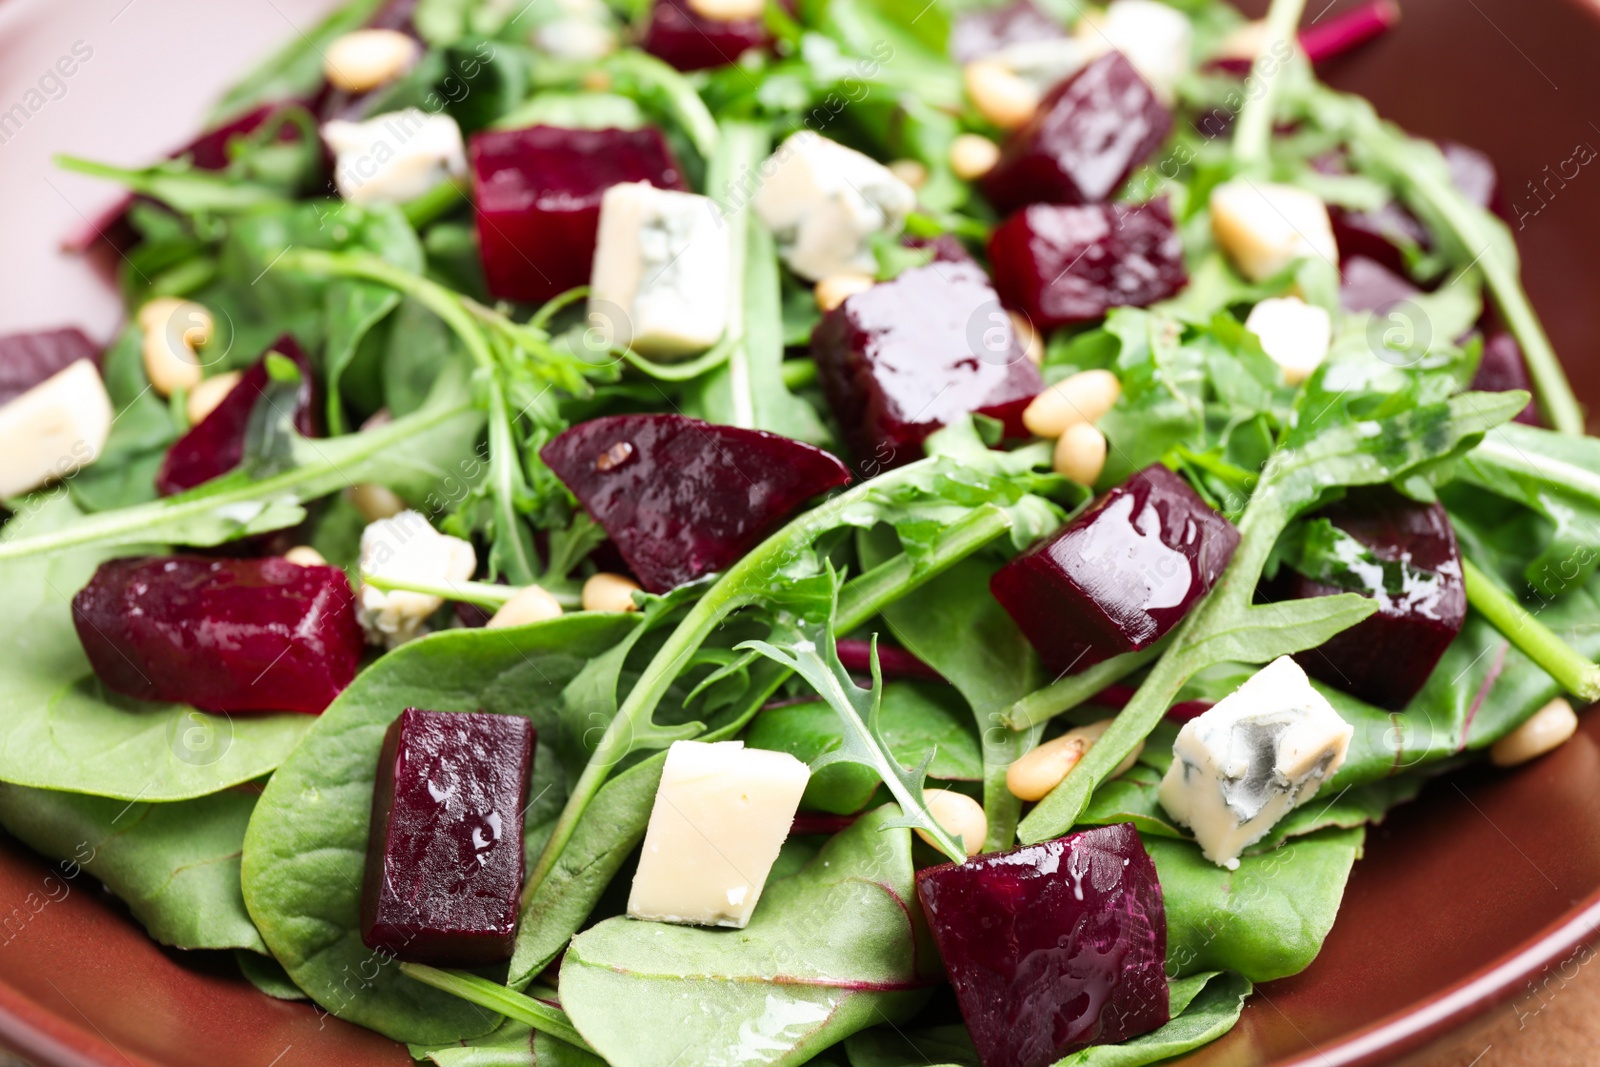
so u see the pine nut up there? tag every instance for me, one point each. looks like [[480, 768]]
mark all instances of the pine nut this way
[[375, 502], [910, 171], [204, 398], [305, 556], [1547, 729], [998, 94], [173, 329], [531, 605], [1034, 775], [596, 81], [727, 10], [972, 156], [836, 288], [1081, 453], [609, 592], [1028, 338], [365, 59], [1082, 397], [959, 816]]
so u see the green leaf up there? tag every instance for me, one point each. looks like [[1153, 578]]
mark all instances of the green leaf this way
[[176, 865], [513, 1044], [1215, 1005], [817, 982], [305, 852], [142, 431], [946, 1046], [295, 71], [266, 973], [353, 308]]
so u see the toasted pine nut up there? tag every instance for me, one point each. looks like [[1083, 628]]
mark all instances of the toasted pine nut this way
[[365, 59], [374, 501], [836, 288], [727, 10], [1082, 397], [998, 94], [1081, 453], [609, 592], [532, 604], [305, 556], [596, 81], [959, 816], [173, 329], [1034, 775], [204, 398], [910, 171], [972, 156], [1547, 729], [1028, 338]]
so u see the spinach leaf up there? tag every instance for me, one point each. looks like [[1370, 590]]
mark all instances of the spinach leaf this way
[[513, 1044], [266, 973], [305, 851], [945, 1046], [176, 865], [1216, 1001], [142, 431], [817, 982]]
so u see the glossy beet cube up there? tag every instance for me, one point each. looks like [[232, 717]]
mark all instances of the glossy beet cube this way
[[1064, 265], [1052, 947], [1085, 139], [690, 41], [444, 855], [1422, 603], [1502, 368], [215, 445], [982, 32], [1120, 575], [682, 498], [26, 359], [910, 355], [221, 634], [538, 191], [1367, 285]]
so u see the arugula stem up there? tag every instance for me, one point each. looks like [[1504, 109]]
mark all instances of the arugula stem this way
[[1254, 132], [433, 204], [1571, 669], [1042, 705], [497, 998], [482, 594], [798, 373]]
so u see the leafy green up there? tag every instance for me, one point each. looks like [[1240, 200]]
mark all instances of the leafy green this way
[[266, 973], [142, 431], [295, 70], [514, 1044], [508, 1002], [1211, 1004]]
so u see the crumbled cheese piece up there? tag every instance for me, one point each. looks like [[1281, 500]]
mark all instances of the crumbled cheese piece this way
[[54, 429], [407, 548], [1155, 37], [1295, 334], [1045, 63], [392, 158], [1265, 227]]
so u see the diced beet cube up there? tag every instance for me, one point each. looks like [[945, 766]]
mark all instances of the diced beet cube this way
[[690, 41], [682, 498], [910, 355], [1502, 368], [221, 634], [26, 359], [1386, 658], [982, 32], [538, 191], [1064, 265], [1120, 575], [444, 855], [1368, 285], [1052, 947], [215, 445], [1085, 139]]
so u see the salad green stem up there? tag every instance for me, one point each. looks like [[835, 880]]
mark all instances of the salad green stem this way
[[482, 594], [433, 204], [1254, 132], [1574, 672], [498, 998], [1042, 705]]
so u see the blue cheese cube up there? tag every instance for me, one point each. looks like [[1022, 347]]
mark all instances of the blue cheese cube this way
[[1261, 752], [392, 158], [662, 268], [824, 203], [1156, 38]]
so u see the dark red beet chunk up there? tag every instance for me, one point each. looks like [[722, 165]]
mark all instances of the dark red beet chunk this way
[[221, 634], [26, 359], [444, 856], [1380, 235], [682, 498], [1385, 659], [538, 196], [1368, 285], [1502, 368], [215, 445], [946, 248], [1052, 947], [1083, 142], [1064, 265], [983, 32], [908, 356], [1120, 575], [689, 41]]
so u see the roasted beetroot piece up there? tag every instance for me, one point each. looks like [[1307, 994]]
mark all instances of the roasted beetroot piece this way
[[538, 194], [1380, 235], [1085, 139], [682, 498], [1064, 265], [946, 248], [26, 359], [1422, 602], [221, 634], [983, 32], [444, 855], [215, 445], [908, 356], [690, 41], [1052, 947], [1368, 285], [1502, 368], [1120, 575]]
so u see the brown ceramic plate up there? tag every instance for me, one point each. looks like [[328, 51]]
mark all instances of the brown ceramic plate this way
[[1462, 898]]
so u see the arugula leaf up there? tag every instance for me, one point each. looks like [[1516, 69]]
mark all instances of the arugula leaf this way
[[353, 309]]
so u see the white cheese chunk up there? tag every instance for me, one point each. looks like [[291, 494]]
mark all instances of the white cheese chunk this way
[[1265, 227], [721, 814], [1294, 333], [662, 268], [1261, 752], [54, 429], [406, 548], [824, 202], [1156, 38], [392, 158]]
